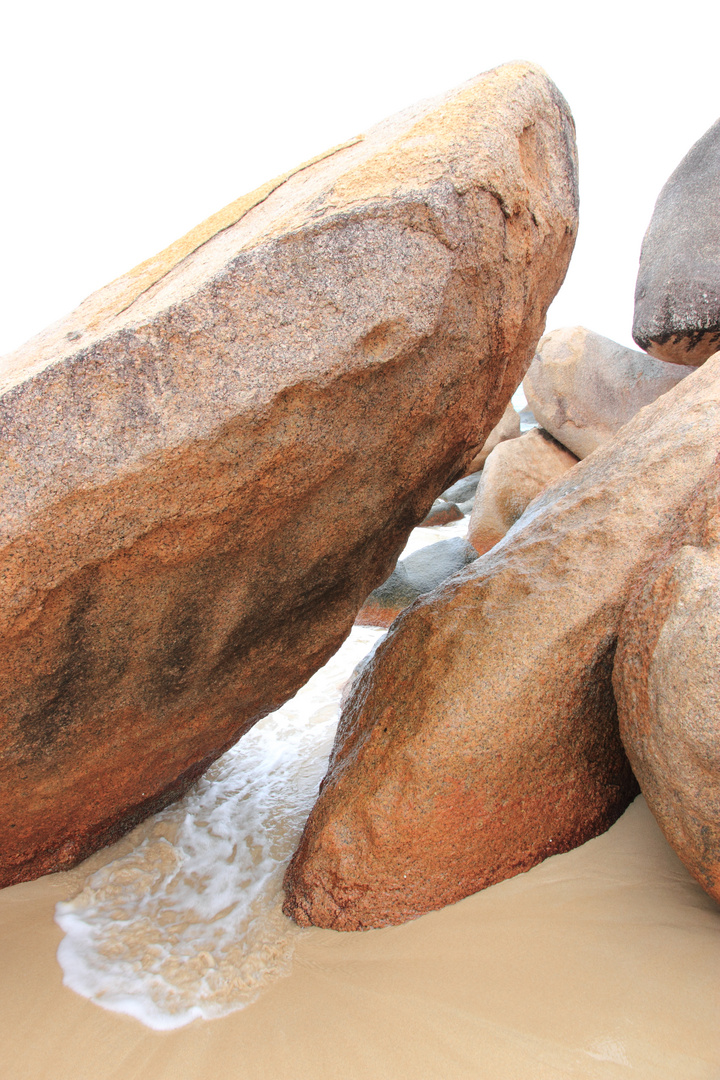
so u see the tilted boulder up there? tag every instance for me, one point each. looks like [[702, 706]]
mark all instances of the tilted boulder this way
[[583, 387], [667, 685], [677, 293], [209, 465], [514, 474], [508, 428], [482, 736]]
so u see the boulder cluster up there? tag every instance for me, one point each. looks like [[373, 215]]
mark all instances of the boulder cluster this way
[[210, 469], [516, 709]]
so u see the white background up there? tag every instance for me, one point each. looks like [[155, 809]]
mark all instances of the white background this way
[[123, 125]]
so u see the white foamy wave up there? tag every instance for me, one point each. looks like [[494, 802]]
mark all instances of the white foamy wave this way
[[420, 538], [188, 924]]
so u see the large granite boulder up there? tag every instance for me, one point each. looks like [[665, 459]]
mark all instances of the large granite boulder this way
[[667, 685], [583, 387], [483, 736], [209, 465], [677, 294], [419, 573], [514, 474]]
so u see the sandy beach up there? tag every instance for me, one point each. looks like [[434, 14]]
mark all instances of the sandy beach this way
[[599, 963]]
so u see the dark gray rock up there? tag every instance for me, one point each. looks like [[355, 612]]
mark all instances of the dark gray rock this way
[[462, 490], [454, 503], [677, 295], [420, 573]]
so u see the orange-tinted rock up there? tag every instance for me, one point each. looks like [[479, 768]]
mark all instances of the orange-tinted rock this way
[[210, 464], [508, 428], [442, 512], [667, 685], [514, 474], [583, 387], [482, 736]]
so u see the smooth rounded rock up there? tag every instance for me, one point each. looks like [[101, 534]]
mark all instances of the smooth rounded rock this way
[[463, 490], [483, 735], [514, 474], [419, 573], [442, 512], [677, 293], [667, 685], [583, 387]]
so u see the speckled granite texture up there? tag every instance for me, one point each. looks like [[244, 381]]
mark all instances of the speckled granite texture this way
[[201, 481], [667, 685], [482, 736]]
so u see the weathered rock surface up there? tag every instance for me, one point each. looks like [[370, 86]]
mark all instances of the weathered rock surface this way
[[419, 573], [211, 463], [667, 685], [514, 474], [507, 428], [482, 736], [677, 294], [583, 387]]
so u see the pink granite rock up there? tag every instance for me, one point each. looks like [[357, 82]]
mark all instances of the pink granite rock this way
[[208, 466], [482, 735]]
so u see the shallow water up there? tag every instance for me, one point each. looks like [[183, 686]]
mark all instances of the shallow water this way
[[596, 964], [420, 538], [188, 923]]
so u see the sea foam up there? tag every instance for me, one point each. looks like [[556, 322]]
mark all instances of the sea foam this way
[[187, 924]]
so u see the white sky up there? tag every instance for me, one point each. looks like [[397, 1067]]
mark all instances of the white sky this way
[[123, 125]]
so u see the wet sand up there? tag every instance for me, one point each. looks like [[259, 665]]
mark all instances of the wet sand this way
[[600, 963]]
